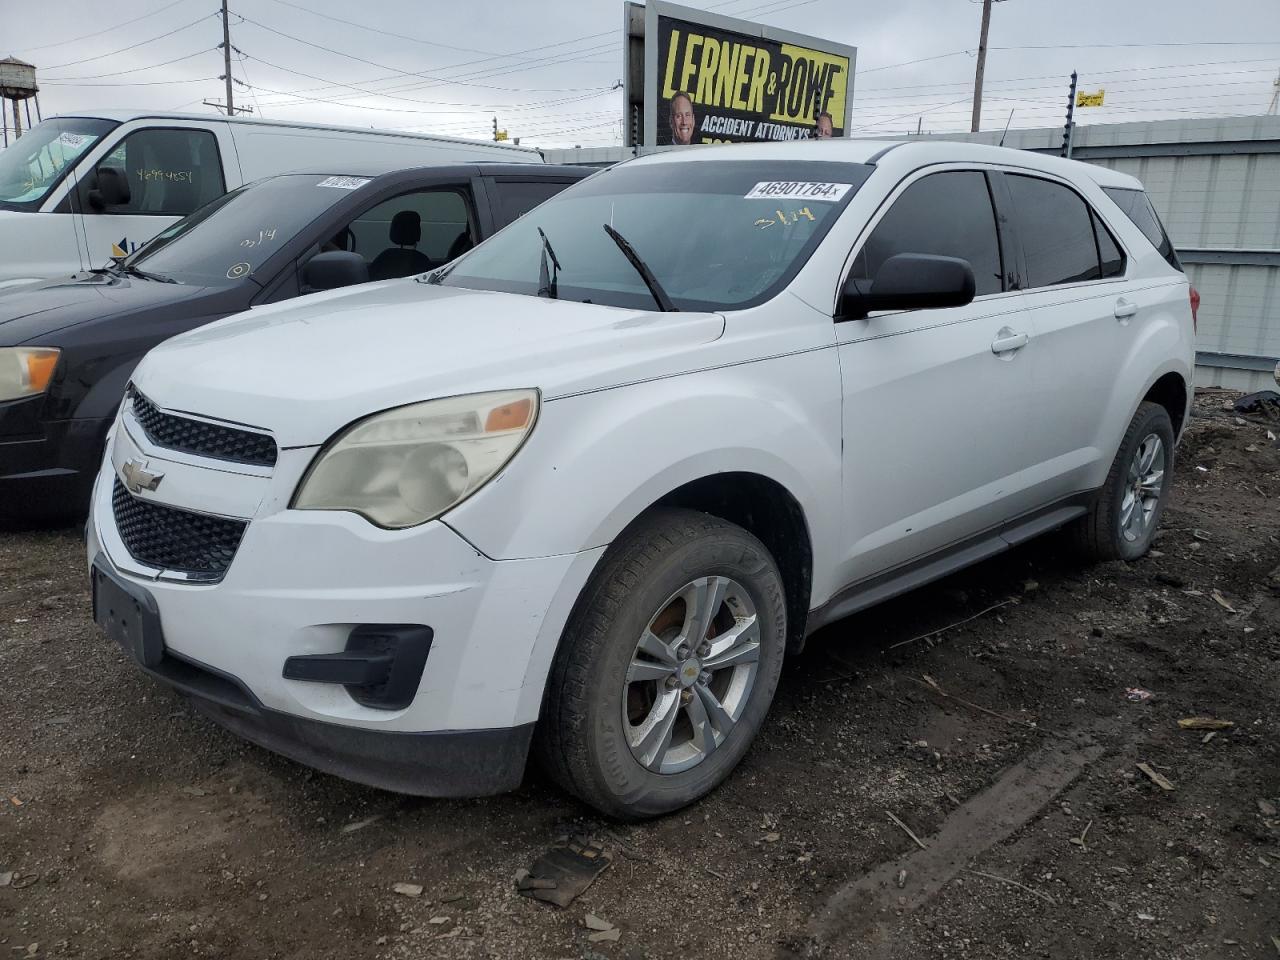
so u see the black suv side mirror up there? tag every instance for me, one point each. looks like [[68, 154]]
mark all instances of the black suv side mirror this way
[[910, 281], [333, 269], [110, 189]]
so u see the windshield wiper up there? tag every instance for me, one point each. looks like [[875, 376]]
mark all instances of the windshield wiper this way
[[659, 295], [130, 269], [547, 279]]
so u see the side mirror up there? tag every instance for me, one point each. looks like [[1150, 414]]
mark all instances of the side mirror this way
[[333, 269], [110, 189], [910, 281]]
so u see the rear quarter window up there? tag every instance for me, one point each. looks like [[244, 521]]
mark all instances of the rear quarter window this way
[[1136, 205]]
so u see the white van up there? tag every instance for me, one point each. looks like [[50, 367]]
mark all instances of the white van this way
[[76, 191]]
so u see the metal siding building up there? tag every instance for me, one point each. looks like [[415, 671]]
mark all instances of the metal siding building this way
[[1216, 185]]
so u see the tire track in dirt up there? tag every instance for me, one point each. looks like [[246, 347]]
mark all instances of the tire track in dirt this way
[[863, 914]]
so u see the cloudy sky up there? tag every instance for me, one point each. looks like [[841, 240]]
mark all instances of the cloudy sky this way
[[548, 71]]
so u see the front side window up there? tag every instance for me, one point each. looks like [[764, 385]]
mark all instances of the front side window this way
[[411, 233], [1136, 205], [37, 161], [159, 172], [945, 214], [1055, 226], [716, 234]]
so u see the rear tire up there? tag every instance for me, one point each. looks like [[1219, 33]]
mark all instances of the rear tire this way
[[667, 666], [1122, 520]]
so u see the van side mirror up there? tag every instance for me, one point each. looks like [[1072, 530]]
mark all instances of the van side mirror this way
[[910, 281], [333, 269], [110, 189]]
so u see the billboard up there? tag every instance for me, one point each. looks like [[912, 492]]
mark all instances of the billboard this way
[[696, 77]]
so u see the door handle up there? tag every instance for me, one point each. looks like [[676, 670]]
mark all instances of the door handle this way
[[1009, 342], [1125, 309]]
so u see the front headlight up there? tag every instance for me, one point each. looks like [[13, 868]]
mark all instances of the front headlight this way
[[409, 465], [26, 371]]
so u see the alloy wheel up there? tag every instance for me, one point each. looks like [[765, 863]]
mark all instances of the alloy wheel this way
[[1143, 489], [691, 675]]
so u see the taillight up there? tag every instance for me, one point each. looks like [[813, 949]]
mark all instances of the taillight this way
[[1195, 307]]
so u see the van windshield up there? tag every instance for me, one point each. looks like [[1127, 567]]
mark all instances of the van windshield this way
[[36, 162], [229, 238], [716, 234]]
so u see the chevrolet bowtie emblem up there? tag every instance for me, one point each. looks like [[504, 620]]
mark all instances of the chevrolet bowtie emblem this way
[[138, 478]]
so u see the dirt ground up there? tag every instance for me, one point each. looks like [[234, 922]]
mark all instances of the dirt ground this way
[[1008, 745]]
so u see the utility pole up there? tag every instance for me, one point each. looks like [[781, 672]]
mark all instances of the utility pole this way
[[495, 128], [1275, 97], [1069, 127], [226, 58], [982, 66]]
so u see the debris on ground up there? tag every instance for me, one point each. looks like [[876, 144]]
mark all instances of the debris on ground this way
[[1204, 723], [1137, 694], [1266, 807], [1159, 779], [408, 889], [1266, 402], [561, 874]]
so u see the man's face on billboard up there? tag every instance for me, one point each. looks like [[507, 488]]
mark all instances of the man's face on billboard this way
[[825, 129], [682, 120]]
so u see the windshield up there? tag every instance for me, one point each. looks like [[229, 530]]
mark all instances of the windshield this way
[[716, 235], [34, 163], [231, 237]]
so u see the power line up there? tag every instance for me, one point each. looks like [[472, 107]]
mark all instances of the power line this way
[[99, 32], [118, 73], [132, 46]]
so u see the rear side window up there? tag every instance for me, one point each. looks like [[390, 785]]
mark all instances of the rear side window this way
[[945, 214], [1056, 229], [1136, 205], [516, 198], [1109, 251]]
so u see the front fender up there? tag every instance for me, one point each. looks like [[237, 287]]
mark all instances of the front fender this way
[[598, 460]]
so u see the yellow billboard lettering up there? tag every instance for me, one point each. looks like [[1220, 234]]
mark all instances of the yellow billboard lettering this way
[[722, 95], [667, 88], [691, 46], [817, 82], [741, 78], [759, 74], [707, 71]]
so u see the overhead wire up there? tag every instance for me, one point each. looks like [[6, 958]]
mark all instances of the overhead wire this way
[[97, 33], [132, 46]]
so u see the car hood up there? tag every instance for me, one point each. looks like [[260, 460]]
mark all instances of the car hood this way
[[306, 368], [38, 312]]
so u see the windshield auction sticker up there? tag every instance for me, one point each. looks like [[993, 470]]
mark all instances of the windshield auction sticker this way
[[344, 183], [798, 190]]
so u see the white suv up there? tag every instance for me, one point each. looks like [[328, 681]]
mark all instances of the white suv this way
[[582, 489]]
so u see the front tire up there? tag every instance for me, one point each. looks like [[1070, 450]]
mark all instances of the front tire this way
[[1122, 520], [667, 666]]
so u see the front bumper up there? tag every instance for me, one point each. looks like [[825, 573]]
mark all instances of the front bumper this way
[[51, 474], [455, 763], [298, 585]]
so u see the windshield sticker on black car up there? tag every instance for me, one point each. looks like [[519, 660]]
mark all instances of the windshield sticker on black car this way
[[238, 270], [798, 190], [344, 183]]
